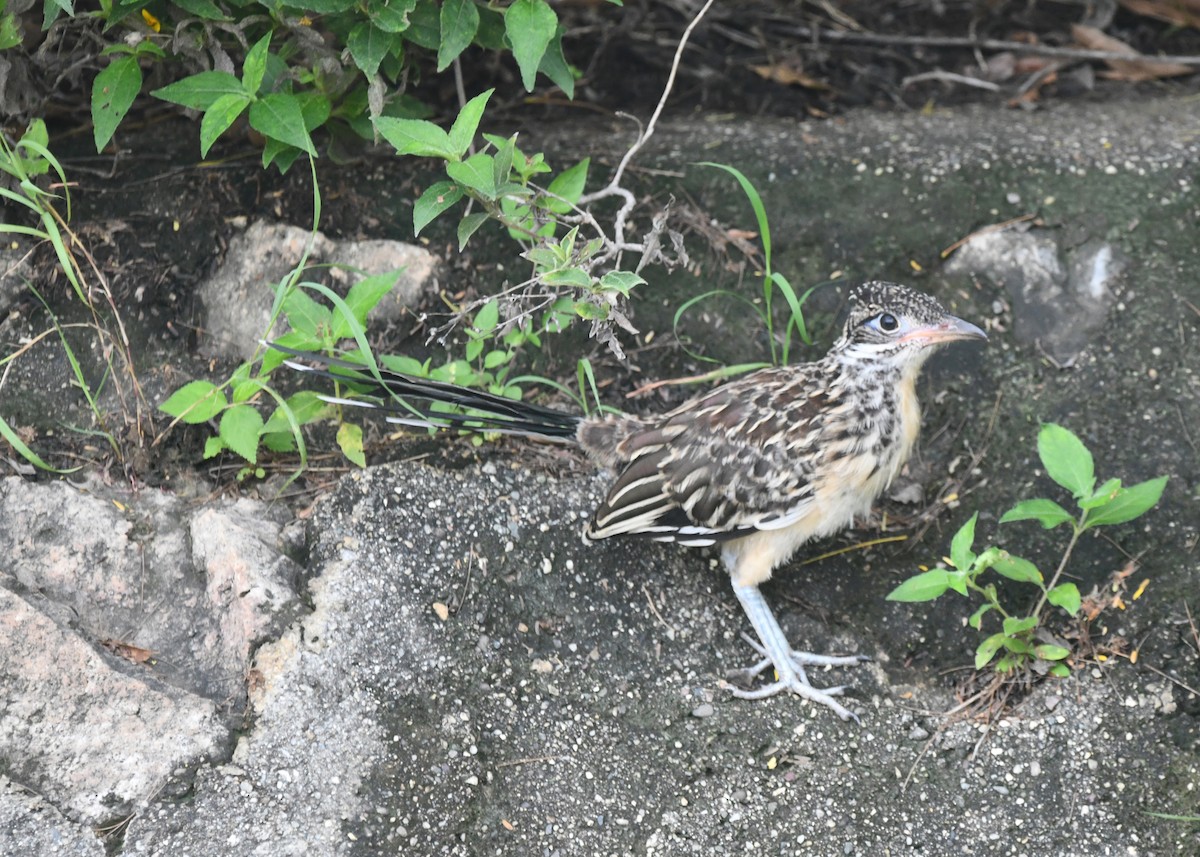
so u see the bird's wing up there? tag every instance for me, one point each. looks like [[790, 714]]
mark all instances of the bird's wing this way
[[720, 466]]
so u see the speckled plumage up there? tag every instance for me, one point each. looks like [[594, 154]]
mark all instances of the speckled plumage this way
[[759, 465], [796, 451]]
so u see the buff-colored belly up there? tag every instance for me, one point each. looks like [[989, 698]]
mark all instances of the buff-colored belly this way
[[845, 493]]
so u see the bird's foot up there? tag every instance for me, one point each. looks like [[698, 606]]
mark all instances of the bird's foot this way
[[793, 678], [800, 687], [800, 660]]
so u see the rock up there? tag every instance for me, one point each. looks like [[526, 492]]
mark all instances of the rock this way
[[127, 623], [1058, 306], [239, 296], [417, 268], [196, 588], [251, 586], [37, 828], [93, 741]]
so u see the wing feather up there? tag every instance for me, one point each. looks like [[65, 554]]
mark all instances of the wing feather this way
[[718, 467]]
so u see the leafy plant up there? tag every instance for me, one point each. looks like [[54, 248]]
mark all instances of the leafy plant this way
[[771, 281], [1022, 639], [331, 65], [21, 165], [233, 403]]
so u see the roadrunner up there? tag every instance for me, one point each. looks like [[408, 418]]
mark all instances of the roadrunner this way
[[759, 465]]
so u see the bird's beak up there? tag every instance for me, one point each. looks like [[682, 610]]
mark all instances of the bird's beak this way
[[949, 329]]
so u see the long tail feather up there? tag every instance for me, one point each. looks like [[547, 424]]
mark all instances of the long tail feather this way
[[406, 400]]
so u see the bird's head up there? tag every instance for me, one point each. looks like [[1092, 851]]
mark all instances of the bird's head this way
[[898, 326]]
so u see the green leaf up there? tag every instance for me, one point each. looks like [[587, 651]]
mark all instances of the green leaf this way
[[496, 358], [462, 132], [1060, 670], [244, 391], [1016, 568], [195, 402], [529, 25], [1046, 512], [569, 185], [960, 546], [488, 317], [590, 311], [1014, 626], [1066, 596], [424, 25], [10, 35], [255, 65], [415, 137], [503, 158], [1016, 644], [1066, 459], [1050, 652], [1102, 495], [490, 35], [239, 429], [213, 447], [279, 116], [217, 119], [306, 407], [314, 107], [349, 438], [1128, 503], [621, 281], [199, 91], [392, 16], [280, 154], [278, 441], [460, 21], [554, 65], [469, 225], [922, 587], [476, 173], [325, 7], [438, 197], [369, 45], [67, 6], [405, 365], [113, 93], [572, 277], [362, 298], [473, 349], [987, 650], [957, 581], [306, 315], [976, 618]]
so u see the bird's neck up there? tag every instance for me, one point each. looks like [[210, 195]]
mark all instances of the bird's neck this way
[[878, 397]]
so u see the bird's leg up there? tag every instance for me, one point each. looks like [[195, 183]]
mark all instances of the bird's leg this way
[[788, 664]]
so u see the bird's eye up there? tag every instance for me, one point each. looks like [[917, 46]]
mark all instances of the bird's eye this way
[[887, 322]]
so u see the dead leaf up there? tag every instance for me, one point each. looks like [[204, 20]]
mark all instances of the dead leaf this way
[[789, 73], [1033, 93], [1181, 13], [135, 654], [1133, 70]]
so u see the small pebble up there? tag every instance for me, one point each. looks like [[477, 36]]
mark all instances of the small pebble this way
[[705, 709]]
